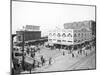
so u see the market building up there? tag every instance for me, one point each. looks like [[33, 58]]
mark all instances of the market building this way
[[73, 34], [61, 36]]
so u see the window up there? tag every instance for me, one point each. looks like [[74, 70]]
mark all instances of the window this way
[[50, 34], [58, 40], [75, 40], [20, 38], [50, 39], [63, 40], [75, 35], [69, 41], [78, 40], [58, 35], [69, 35], [78, 34], [85, 34], [63, 35], [85, 38], [54, 34], [90, 34], [82, 34], [54, 39]]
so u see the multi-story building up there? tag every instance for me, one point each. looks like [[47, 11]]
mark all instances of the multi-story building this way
[[73, 34], [61, 36], [29, 32], [82, 30], [81, 35]]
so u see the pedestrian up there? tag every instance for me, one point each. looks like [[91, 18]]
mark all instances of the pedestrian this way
[[63, 53], [86, 54], [50, 60], [42, 60], [34, 64], [81, 51], [78, 52], [38, 64], [72, 54]]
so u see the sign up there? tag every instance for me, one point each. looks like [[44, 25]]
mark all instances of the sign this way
[[32, 27]]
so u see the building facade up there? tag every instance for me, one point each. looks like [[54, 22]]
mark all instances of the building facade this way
[[29, 33], [81, 35], [61, 36], [73, 34]]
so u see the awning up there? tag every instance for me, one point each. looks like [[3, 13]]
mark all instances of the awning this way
[[29, 60]]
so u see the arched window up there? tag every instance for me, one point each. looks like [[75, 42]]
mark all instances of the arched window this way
[[69, 35], [54, 34], [50, 34], [82, 34], [58, 35], [78, 40], [85, 34], [63, 35], [78, 34], [75, 40], [75, 35]]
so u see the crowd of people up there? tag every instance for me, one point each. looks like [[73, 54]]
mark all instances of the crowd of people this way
[[33, 50], [29, 51], [75, 51]]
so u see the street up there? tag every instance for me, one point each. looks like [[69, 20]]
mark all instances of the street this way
[[66, 62]]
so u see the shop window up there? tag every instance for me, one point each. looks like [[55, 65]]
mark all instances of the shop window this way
[[58, 40], [63, 40], [69, 41], [54, 39], [50, 39]]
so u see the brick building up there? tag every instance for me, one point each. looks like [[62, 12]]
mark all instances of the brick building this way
[[30, 33]]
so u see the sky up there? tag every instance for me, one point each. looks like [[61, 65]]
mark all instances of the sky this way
[[48, 16]]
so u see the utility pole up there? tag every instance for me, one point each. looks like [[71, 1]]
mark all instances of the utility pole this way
[[23, 66]]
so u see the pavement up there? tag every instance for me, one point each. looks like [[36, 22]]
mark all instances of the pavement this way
[[68, 63], [62, 62]]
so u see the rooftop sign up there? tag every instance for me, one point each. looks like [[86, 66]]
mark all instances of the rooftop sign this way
[[32, 28]]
